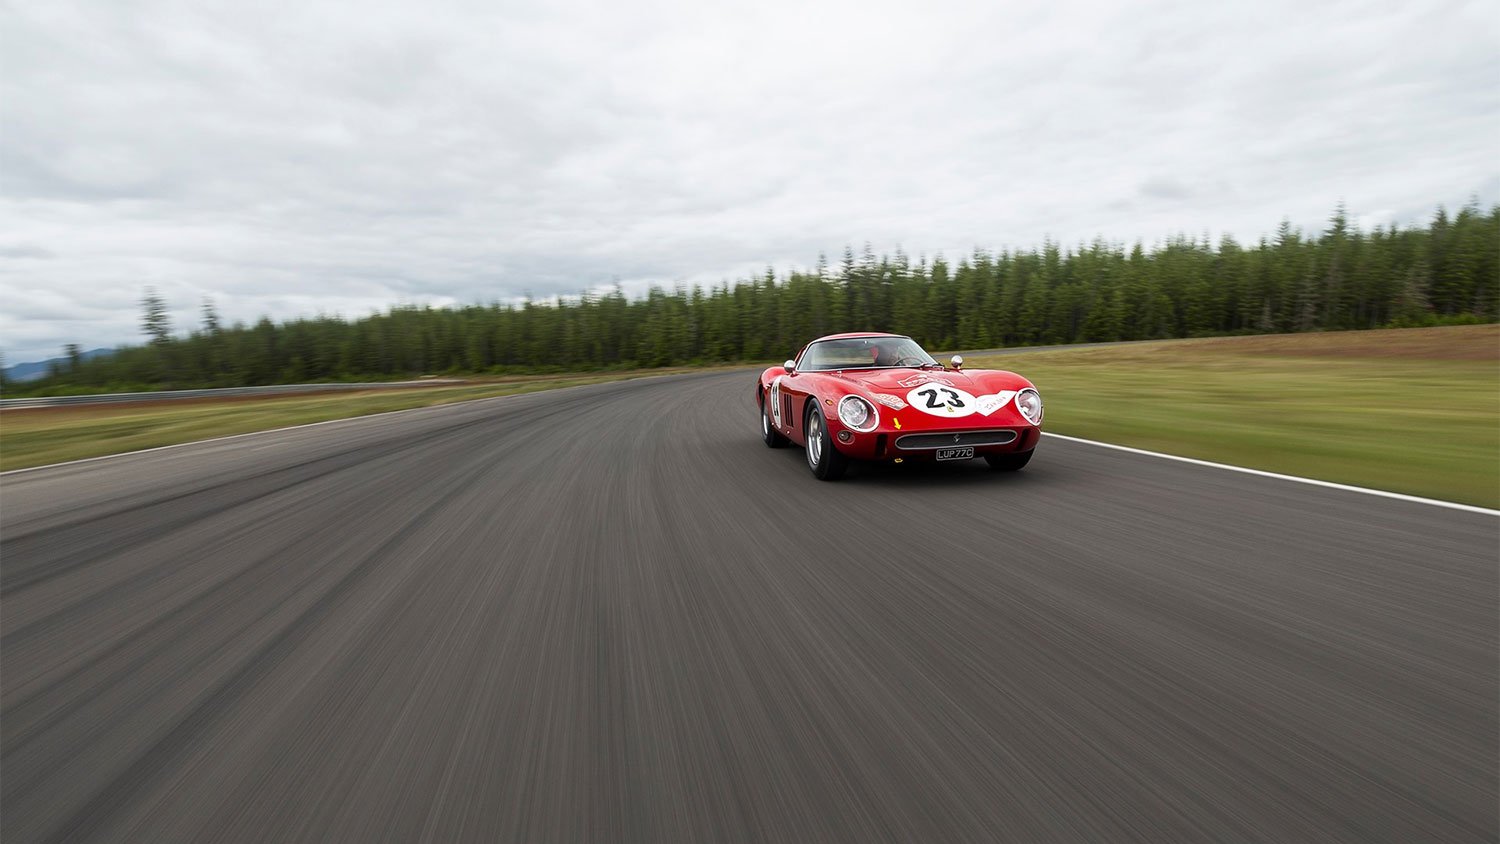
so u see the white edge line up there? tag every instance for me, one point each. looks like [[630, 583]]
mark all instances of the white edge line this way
[[1451, 505]]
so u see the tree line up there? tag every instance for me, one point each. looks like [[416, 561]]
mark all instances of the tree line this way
[[1340, 278]]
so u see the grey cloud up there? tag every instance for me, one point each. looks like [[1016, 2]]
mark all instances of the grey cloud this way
[[340, 157], [26, 250], [1165, 187]]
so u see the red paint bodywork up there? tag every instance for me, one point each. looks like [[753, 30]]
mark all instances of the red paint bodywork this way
[[825, 389]]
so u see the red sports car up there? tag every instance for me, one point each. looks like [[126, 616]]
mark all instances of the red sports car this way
[[870, 396]]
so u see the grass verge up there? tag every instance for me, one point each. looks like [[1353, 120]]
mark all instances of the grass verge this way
[[36, 437], [1415, 411]]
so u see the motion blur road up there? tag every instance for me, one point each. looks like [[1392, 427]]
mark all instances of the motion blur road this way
[[609, 613]]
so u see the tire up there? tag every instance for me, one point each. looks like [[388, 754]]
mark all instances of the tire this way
[[1009, 462], [768, 433], [826, 462]]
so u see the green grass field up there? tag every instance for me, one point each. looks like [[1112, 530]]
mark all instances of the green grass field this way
[[35, 437], [1415, 411]]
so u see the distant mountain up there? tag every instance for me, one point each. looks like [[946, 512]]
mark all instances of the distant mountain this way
[[37, 369]]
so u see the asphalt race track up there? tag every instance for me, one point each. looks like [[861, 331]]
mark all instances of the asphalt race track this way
[[609, 613]]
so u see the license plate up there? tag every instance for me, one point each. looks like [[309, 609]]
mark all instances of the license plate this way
[[955, 453]]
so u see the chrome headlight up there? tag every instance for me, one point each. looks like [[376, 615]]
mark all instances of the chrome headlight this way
[[858, 414], [1029, 402]]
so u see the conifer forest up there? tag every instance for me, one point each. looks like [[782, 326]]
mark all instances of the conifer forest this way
[[1339, 278]]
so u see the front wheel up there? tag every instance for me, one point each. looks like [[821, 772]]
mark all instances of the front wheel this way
[[826, 462], [768, 432], [1009, 462]]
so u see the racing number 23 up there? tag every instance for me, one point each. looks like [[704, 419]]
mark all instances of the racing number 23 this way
[[931, 394]]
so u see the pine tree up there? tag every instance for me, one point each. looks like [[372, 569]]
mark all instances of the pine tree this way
[[1412, 306], [1307, 305], [155, 322]]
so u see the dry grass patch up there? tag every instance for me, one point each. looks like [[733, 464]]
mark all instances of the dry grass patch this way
[[1459, 342]]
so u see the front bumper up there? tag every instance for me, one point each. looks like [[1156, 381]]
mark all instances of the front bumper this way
[[922, 445]]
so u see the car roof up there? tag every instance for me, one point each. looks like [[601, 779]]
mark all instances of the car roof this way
[[854, 334]]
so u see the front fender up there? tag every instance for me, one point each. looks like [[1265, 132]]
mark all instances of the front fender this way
[[995, 380]]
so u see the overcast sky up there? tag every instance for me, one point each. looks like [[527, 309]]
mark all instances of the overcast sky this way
[[290, 158]]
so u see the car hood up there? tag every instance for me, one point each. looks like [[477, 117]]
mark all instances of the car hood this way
[[899, 381]]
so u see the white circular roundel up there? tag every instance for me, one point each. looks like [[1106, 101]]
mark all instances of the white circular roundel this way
[[948, 402]]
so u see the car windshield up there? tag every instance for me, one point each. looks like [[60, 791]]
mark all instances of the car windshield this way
[[863, 353]]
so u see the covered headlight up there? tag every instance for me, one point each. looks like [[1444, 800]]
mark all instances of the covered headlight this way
[[1029, 402], [857, 413]]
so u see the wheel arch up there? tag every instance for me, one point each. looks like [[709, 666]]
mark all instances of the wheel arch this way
[[808, 406]]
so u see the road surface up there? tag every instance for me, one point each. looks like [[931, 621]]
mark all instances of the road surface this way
[[609, 613]]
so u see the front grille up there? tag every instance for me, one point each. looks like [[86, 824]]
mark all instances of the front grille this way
[[918, 442]]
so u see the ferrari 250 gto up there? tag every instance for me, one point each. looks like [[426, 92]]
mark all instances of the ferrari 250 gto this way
[[880, 397]]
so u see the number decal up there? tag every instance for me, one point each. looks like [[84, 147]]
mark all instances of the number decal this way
[[947, 402], [954, 400]]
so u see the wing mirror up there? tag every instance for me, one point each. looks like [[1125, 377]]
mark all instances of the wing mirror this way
[[790, 367], [957, 362]]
